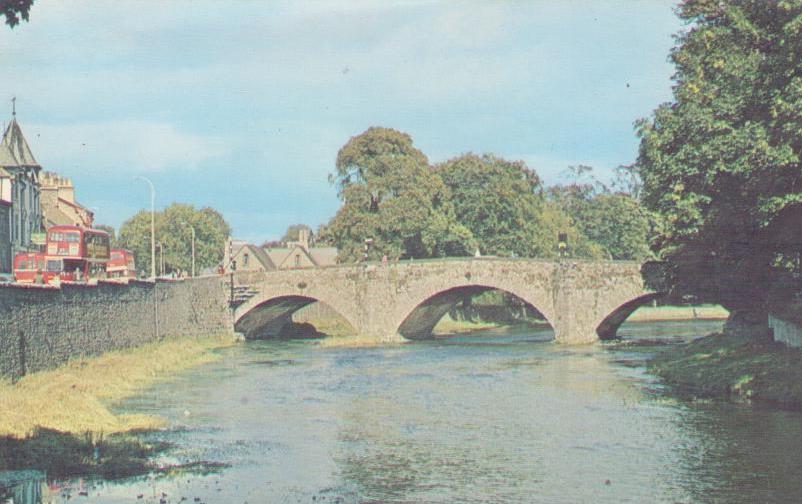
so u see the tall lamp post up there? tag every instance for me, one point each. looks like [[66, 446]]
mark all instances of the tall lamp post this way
[[152, 226]]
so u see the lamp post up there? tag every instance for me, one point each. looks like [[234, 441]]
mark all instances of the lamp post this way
[[152, 226]]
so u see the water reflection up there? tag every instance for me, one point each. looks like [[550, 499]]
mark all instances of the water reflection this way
[[21, 487], [481, 418]]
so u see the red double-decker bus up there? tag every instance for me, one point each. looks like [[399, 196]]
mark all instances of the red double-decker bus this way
[[76, 254], [121, 264], [72, 253], [29, 267]]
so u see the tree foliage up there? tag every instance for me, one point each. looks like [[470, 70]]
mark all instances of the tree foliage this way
[[14, 10], [613, 220], [293, 232], [721, 161], [392, 198], [174, 237], [501, 202]]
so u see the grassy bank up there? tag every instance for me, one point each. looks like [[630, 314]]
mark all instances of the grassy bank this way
[[658, 313], [738, 367], [447, 325], [59, 421], [74, 398]]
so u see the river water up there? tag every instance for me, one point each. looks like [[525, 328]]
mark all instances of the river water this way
[[488, 417]]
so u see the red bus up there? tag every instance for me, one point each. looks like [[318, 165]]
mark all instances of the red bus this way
[[29, 267], [76, 254], [121, 264]]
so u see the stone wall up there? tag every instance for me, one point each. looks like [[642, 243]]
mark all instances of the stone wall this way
[[43, 327], [785, 332]]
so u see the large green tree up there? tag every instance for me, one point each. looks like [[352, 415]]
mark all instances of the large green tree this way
[[501, 202], [174, 227], [721, 160], [392, 198]]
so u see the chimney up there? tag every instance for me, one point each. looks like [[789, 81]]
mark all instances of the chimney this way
[[303, 238]]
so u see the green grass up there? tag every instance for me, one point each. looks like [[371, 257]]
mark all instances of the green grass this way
[[739, 367], [655, 313], [59, 421], [75, 397]]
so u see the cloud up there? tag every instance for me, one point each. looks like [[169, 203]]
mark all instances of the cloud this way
[[121, 146]]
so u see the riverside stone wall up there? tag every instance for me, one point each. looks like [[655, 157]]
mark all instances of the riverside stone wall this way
[[785, 332], [43, 327]]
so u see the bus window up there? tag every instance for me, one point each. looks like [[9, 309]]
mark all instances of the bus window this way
[[54, 265], [72, 237]]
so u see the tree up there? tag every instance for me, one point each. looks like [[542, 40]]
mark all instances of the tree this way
[[13, 10], [174, 237], [293, 232], [615, 221], [499, 201], [392, 198], [721, 161]]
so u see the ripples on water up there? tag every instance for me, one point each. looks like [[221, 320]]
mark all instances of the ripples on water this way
[[484, 418]]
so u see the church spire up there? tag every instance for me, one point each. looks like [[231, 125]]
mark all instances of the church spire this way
[[15, 142]]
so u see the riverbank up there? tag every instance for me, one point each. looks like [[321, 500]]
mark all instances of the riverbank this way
[[738, 367], [75, 398], [448, 326], [662, 313]]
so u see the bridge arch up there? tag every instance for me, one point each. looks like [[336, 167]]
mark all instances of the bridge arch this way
[[422, 319], [267, 315], [608, 327]]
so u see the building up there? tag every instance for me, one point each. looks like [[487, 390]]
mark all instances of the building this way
[[5, 221], [20, 181], [294, 255], [301, 254], [247, 257], [59, 207]]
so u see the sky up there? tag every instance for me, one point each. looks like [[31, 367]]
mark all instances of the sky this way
[[242, 106]]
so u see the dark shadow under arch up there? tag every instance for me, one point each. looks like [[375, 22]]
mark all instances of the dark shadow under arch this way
[[609, 326], [272, 318], [420, 322]]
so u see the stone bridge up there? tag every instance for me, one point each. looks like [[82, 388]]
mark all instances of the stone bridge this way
[[583, 301]]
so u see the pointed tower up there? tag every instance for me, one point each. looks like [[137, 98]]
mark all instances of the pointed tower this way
[[17, 160]]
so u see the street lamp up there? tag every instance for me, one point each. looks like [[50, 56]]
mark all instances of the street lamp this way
[[161, 258], [152, 226]]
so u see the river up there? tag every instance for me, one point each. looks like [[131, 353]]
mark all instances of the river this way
[[487, 417]]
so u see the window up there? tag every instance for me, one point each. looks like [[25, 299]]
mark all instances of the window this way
[[297, 260], [245, 259], [54, 265]]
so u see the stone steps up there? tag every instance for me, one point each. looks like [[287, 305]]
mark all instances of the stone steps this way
[[241, 294]]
